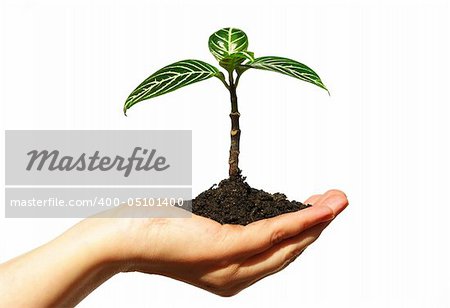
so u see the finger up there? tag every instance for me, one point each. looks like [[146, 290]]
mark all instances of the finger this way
[[282, 254], [261, 235], [279, 256], [335, 199]]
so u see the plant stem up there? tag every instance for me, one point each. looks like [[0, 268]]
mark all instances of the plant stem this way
[[235, 130]]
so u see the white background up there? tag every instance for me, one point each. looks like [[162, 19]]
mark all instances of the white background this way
[[382, 136]]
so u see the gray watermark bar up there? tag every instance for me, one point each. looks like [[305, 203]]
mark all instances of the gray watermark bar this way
[[80, 173], [98, 157], [77, 202]]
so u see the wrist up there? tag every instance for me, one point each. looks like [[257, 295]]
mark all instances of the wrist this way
[[95, 244], [115, 245]]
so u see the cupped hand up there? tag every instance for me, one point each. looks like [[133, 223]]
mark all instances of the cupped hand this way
[[223, 259]]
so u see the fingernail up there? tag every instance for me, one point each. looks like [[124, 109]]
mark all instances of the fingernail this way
[[335, 202]]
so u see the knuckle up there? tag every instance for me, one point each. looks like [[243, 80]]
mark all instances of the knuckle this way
[[277, 236], [219, 286], [215, 286], [235, 289], [224, 282], [229, 292], [226, 293], [220, 281]]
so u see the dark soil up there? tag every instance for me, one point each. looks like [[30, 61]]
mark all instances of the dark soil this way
[[233, 201]]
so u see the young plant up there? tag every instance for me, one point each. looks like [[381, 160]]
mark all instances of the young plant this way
[[229, 47]]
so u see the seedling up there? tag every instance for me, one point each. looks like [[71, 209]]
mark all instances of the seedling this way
[[229, 47]]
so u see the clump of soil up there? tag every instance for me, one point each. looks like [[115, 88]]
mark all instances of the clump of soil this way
[[233, 201]]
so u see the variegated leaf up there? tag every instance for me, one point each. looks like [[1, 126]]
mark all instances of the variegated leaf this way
[[287, 67], [230, 62], [171, 78], [227, 41]]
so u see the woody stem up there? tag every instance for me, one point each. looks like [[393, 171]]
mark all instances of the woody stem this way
[[235, 133]]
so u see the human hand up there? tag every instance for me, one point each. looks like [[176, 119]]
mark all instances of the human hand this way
[[223, 259]]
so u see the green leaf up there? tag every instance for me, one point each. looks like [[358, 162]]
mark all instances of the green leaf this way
[[287, 67], [227, 41], [171, 78], [230, 62]]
